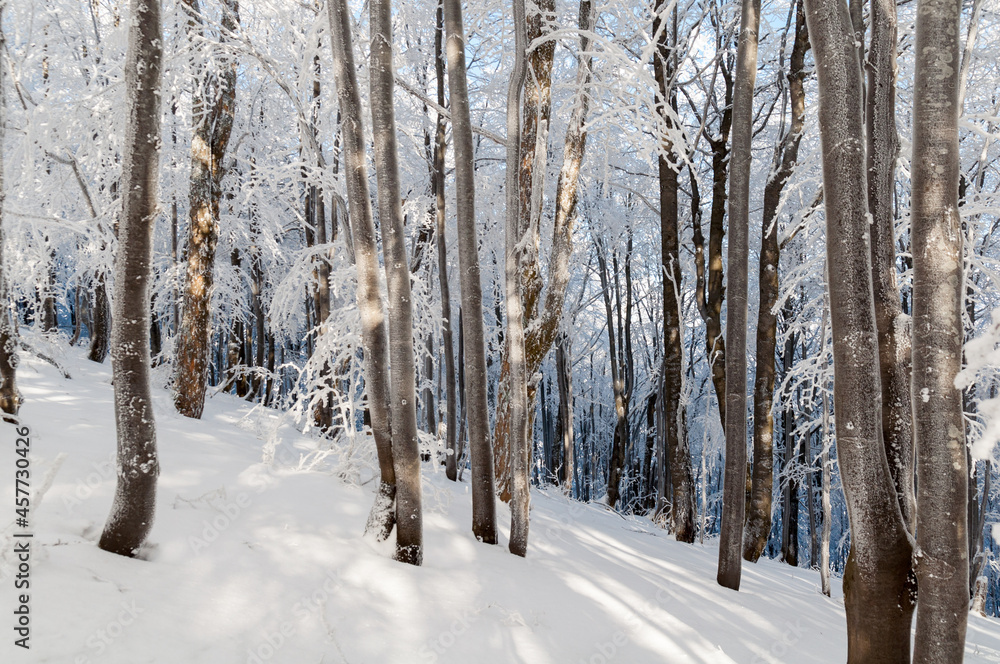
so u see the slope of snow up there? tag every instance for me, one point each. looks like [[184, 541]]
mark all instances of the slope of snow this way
[[253, 562]]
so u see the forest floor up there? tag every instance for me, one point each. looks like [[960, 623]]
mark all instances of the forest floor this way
[[265, 562]]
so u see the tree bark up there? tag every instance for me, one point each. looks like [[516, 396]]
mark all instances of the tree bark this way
[[101, 328], [893, 333], [483, 502], [734, 490], [542, 324], [138, 466], [451, 425], [518, 436], [402, 386], [682, 500], [617, 460], [374, 334], [213, 124], [824, 557], [758, 525], [10, 399], [564, 373], [877, 591], [942, 557]]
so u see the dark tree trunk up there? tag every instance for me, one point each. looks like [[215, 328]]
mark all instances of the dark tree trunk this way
[[734, 491], [877, 588], [138, 466], [682, 500], [758, 524], [213, 124], [893, 333], [10, 399]]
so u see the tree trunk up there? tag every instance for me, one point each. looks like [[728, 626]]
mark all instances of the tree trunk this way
[[374, 335], [10, 399], [877, 592], [440, 144], [483, 489], [790, 507], [942, 563], [734, 491], [100, 331], [564, 373], [710, 296], [518, 435], [402, 386], [213, 124], [893, 333], [134, 503], [758, 525], [542, 325], [617, 460], [824, 569], [682, 500]]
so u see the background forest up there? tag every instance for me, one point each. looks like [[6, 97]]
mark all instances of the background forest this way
[[626, 133]]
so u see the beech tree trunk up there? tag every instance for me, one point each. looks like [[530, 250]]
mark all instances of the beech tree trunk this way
[[451, 421], [213, 124], [710, 291], [617, 459], [734, 491], [402, 386], [374, 333], [483, 502], [877, 589], [942, 557], [518, 436], [100, 331], [758, 525], [682, 482], [893, 333], [542, 323], [564, 373], [10, 399], [138, 466], [824, 555]]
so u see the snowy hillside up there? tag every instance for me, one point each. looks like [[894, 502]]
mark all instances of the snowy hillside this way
[[250, 562]]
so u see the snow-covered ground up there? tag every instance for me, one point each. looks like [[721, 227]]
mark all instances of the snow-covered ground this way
[[254, 562]]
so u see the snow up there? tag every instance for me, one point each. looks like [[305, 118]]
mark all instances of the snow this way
[[265, 563]]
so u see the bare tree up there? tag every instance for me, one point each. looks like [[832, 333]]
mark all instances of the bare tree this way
[[440, 144], [942, 557], [138, 466], [893, 334], [677, 450], [374, 334], [484, 520], [542, 318], [10, 400], [402, 385], [213, 124], [734, 491], [876, 587], [758, 525], [518, 441]]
